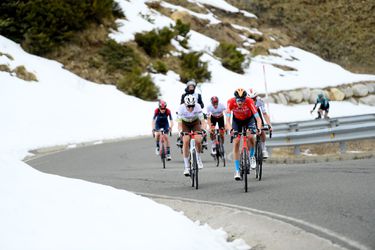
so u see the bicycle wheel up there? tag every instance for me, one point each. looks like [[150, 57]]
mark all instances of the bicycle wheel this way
[[217, 155], [259, 159], [222, 152], [195, 170], [246, 167], [191, 170], [162, 154]]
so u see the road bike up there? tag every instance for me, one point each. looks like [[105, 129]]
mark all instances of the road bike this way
[[163, 145], [244, 156], [193, 158], [219, 145]]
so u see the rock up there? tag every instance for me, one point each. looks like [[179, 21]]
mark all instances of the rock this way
[[306, 94], [371, 87], [336, 95], [270, 99], [368, 100], [353, 100], [294, 96], [282, 99], [360, 90], [314, 95], [348, 91]]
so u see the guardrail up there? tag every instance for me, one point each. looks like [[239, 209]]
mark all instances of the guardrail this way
[[341, 129], [322, 123]]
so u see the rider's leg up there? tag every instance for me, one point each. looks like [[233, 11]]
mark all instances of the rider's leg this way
[[263, 143], [236, 158], [252, 151], [185, 150], [157, 139]]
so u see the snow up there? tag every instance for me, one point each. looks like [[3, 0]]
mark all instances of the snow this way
[[42, 211]]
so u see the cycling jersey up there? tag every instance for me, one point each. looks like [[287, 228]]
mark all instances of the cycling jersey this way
[[247, 110], [185, 115], [161, 119], [324, 103], [216, 112], [260, 105]]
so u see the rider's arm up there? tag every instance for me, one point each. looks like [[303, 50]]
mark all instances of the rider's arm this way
[[268, 120], [154, 119], [200, 100]]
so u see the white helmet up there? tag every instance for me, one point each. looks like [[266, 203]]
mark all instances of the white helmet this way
[[191, 83], [189, 100], [252, 93]]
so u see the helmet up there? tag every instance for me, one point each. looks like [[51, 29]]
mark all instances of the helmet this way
[[320, 95], [191, 83], [252, 93], [189, 100], [240, 93], [162, 104], [214, 100]]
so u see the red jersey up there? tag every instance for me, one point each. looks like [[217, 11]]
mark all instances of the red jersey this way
[[245, 112]]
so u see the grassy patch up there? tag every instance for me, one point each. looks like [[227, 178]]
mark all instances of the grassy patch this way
[[231, 58], [23, 74], [7, 55], [5, 68]]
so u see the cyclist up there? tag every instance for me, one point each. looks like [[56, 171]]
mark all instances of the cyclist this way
[[215, 115], [242, 109], [324, 106], [190, 118], [160, 121], [190, 90], [263, 116]]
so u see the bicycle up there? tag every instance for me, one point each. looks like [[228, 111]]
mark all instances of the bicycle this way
[[244, 156], [220, 152], [193, 158], [259, 152], [162, 145]]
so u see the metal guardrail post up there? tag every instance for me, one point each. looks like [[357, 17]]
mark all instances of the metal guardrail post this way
[[334, 123], [293, 127]]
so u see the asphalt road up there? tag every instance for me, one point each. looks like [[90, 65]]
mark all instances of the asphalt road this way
[[338, 196]]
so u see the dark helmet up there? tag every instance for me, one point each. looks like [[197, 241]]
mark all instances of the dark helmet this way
[[240, 93], [320, 96], [162, 104], [214, 100]]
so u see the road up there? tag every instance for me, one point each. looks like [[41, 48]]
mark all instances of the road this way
[[338, 196]]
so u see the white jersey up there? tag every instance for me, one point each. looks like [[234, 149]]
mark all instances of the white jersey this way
[[216, 112], [260, 105], [185, 115]]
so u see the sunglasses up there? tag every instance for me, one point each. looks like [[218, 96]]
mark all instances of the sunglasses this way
[[240, 100], [190, 106], [162, 109]]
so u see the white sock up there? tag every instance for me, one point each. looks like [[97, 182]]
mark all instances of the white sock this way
[[187, 163], [213, 144]]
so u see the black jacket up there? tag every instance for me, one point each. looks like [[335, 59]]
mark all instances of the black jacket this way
[[197, 96]]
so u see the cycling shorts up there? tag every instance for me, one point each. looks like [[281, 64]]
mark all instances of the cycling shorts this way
[[325, 108], [238, 125], [217, 120], [191, 126], [159, 126]]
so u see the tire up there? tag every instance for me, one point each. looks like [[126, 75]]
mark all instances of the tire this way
[[222, 153], [245, 167], [162, 154], [259, 159], [195, 170]]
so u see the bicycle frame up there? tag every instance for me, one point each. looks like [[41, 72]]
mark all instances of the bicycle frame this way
[[244, 156], [193, 158], [219, 142]]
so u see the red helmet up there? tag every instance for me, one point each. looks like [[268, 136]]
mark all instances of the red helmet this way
[[214, 100], [162, 104]]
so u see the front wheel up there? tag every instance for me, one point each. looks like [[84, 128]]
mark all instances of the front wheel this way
[[259, 160], [245, 166], [194, 170]]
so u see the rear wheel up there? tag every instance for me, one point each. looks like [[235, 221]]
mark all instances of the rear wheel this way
[[162, 154], [259, 159]]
